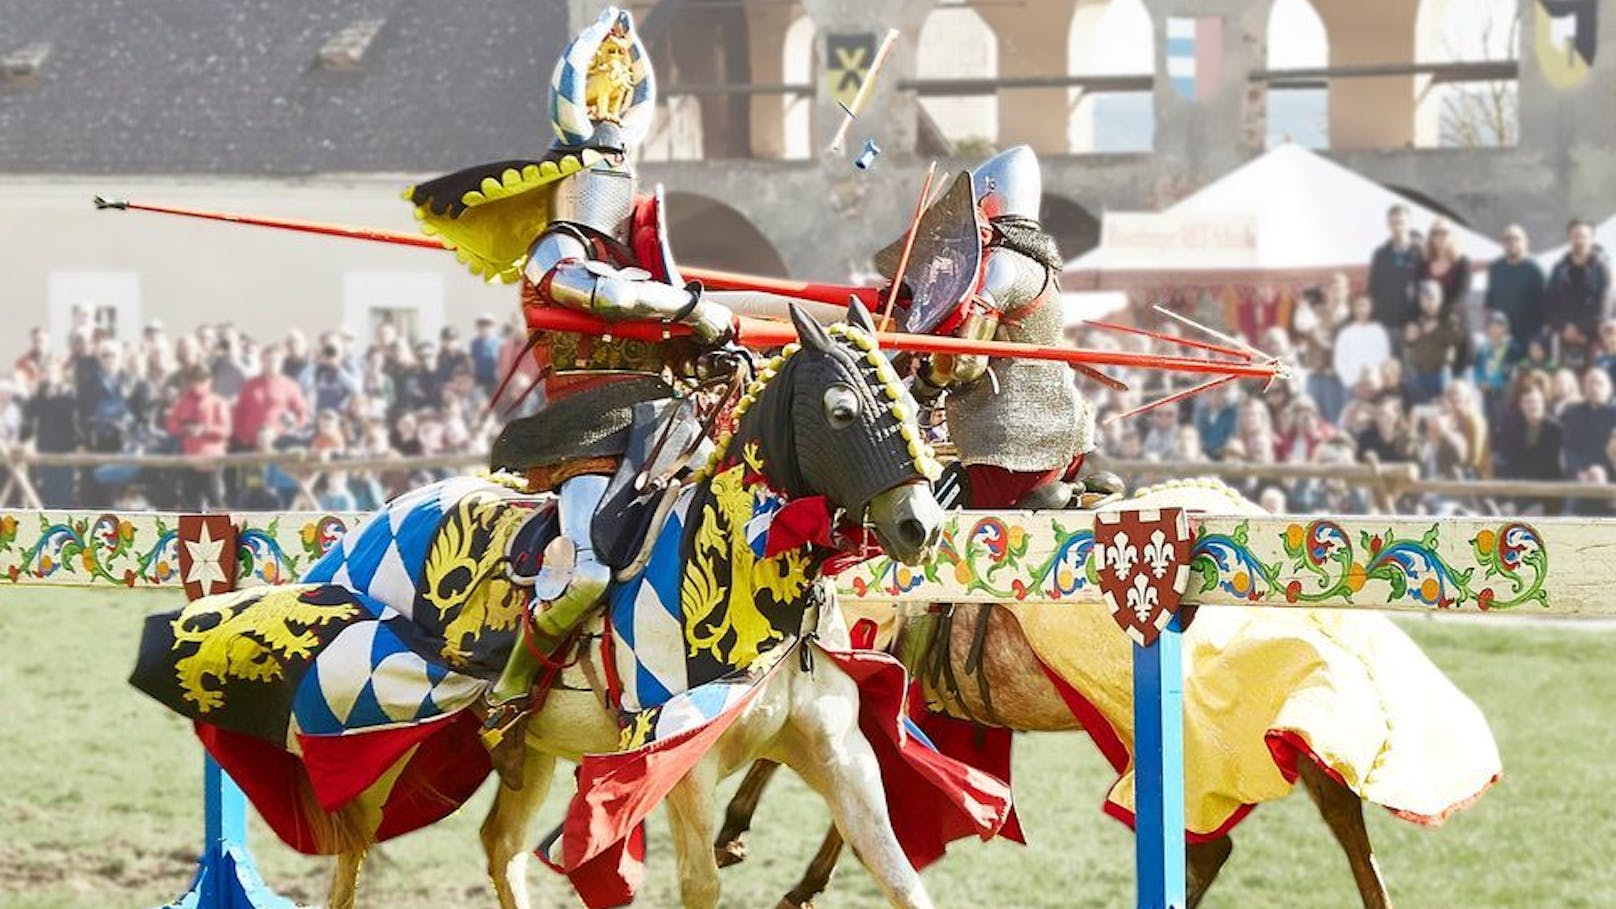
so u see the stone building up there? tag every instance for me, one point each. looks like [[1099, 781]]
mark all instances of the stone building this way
[[1492, 110]]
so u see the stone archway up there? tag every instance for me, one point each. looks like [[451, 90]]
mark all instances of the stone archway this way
[[1076, 229], [707, 232], [957, 43], [1467, 114], [1111, 38]]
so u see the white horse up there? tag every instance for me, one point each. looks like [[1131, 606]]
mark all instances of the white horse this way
[[828, 420]]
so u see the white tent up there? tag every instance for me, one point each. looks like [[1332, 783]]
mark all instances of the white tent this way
[[1290, 216]]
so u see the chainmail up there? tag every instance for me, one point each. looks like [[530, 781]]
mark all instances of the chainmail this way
[[1036, 420], [1026, 236]]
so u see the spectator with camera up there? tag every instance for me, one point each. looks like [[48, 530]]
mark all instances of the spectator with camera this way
[[200, 419]]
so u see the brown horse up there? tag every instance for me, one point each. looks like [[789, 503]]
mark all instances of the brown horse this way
[[990, 641]]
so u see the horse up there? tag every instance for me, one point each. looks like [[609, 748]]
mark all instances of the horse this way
[[828, 422], [1013, 691]]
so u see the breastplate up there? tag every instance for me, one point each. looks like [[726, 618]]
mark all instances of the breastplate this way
[[569, 357]]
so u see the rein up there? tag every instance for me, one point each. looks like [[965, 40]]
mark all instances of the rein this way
[[733, 384]]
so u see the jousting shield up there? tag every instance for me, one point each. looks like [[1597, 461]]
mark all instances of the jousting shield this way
[[945, 266]]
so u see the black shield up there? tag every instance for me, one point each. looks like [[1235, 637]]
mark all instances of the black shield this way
[[945, 265]]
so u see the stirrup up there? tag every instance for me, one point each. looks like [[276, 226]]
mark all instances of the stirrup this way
[[501, 719]]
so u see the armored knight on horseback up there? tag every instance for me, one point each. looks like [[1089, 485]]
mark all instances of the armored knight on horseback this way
[[571, 229], [1022, 429]]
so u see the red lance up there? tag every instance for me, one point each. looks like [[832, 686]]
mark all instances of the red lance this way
[[752, 332]]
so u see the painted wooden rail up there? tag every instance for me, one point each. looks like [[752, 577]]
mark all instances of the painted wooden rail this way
[[1545, 567], [1498, 566]]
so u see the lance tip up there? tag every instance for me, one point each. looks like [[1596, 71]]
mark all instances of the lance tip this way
[[118, 204]]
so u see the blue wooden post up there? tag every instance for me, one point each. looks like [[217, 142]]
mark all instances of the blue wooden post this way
[[1158, 780], [225, 875]]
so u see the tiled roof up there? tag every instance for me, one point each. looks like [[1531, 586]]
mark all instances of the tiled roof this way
[[273, 86]]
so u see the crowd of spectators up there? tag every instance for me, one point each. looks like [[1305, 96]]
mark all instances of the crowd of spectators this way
[[1416, 365], [216, 390], [1514, 382]]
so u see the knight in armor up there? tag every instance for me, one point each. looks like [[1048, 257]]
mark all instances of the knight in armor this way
[[1023, 431], [571, 230]]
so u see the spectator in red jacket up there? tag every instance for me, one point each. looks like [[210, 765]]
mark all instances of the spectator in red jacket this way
[[200, 419], [270, 399]]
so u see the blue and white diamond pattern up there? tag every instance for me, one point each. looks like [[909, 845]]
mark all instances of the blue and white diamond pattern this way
[[384, 555], [367, 678], [649, 651]]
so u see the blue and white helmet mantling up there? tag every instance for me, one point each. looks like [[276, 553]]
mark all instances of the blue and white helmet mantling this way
[[603, 91]]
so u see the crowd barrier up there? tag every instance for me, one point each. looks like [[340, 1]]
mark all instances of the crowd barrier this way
[[1385, 482]]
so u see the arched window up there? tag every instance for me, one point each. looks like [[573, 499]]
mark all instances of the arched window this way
[[1298, 112], [955, 43], [1466, 114], [797, 68], [1113, 38]]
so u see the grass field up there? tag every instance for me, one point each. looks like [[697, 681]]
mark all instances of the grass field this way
[[99, 801]]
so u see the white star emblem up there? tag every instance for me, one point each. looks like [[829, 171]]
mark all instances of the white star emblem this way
[[205, 567]]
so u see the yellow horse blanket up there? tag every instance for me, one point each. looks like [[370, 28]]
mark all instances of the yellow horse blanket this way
[[1264, 688]]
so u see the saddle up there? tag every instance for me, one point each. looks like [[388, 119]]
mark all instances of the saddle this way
[[663, 437]]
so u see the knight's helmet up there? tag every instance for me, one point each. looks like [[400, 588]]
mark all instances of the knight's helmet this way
[[602, 98], [1009, 184]]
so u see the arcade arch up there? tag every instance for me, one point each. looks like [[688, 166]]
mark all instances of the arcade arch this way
[[1111, 38], [705, 231], [957, 43], [1466, 114], [1297, 39]]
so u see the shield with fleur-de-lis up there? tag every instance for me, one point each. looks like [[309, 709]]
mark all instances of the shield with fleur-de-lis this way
[[1144, 567]]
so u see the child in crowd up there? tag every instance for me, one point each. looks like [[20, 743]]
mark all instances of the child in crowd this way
[[1434, 344], [1495, 357]]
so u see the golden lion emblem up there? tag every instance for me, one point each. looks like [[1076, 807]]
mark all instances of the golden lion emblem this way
[[609, 85], [246, 635], [462, 576]]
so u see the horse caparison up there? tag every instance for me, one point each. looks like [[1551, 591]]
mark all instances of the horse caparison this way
[[806, 720]]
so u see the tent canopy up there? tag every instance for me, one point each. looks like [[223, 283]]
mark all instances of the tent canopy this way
[[1288, 215]]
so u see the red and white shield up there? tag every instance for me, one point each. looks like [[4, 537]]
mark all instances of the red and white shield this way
[[1143, 559], [207, 550]]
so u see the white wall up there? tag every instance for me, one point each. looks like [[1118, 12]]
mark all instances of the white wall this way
[[55, 245]]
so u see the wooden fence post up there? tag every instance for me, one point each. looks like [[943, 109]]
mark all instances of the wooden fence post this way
[[226, 877]]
